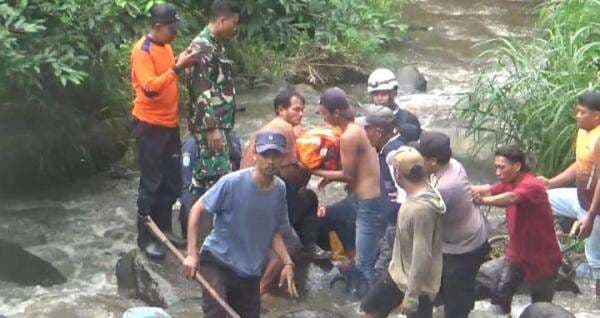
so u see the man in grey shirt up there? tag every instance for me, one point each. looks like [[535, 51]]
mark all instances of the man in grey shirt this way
[[464, 231]]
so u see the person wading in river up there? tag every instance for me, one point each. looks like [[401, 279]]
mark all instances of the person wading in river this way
[[302, 203], [414, 274], [583, 201], [532, 251], [464, 231], [250, 213], [155, 123], [360, 169]]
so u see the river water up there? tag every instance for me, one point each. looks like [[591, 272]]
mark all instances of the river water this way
[[82, 228]]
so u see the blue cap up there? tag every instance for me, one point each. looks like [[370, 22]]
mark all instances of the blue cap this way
[[270, 140]]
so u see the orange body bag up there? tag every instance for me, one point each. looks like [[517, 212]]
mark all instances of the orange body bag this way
[[319, 148]]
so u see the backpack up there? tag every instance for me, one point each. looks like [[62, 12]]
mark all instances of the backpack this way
[[319, 148]]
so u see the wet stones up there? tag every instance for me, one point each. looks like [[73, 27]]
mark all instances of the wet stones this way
[[311, 313], [21, 267], [156, 283], [411, 80], [489, 275], [545, 310]]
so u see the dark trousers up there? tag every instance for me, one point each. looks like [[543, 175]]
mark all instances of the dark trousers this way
[[511, 278], [160, 174], [458, 281], [302, 211], [385, 295], [241, 293]]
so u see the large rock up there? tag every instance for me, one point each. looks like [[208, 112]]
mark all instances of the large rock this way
[[22, 267], [489, 275], [156, 283], [545, 310], [410, 80]]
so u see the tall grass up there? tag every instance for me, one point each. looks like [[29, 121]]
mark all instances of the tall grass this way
[[529, 95]]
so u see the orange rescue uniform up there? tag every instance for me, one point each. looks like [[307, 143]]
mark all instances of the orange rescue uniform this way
[[155, 83]]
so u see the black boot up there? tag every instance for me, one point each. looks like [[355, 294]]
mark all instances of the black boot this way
[[147, 243], [154, 250]]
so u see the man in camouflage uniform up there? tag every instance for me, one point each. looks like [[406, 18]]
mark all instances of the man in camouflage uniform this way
[[211, 107], [212, 92]]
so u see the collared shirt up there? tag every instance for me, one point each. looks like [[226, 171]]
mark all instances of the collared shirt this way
[[407, 124]]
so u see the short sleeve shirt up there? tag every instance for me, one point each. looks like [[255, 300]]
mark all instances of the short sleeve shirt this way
[[587, 154], [245, 220], [532, 241]]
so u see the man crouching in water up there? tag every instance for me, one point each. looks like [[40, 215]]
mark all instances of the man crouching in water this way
[[250, 212], [414, 275], [360, 169]]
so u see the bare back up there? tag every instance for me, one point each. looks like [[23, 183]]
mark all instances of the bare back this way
[[361, 158]]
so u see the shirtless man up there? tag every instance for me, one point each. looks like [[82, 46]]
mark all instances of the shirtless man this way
[[360, 169]]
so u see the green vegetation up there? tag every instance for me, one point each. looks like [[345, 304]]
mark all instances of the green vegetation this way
[[64, 67], [530, 96], [315, 39]]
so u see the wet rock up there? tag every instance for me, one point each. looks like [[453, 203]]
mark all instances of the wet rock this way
[[545, 310], [73, 305], [410, 80], [142, 312], [156, 283], [307, 313], [489, 275], [22, 267]]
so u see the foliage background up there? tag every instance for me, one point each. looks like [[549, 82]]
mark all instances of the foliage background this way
[[65, 96], [528, 96]]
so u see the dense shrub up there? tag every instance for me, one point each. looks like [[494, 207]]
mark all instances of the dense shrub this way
[[529, 96]]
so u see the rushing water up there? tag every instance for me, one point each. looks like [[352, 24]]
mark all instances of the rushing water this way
[[82, 228]]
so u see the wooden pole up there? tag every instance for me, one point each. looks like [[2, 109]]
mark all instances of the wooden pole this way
[[161, 237]]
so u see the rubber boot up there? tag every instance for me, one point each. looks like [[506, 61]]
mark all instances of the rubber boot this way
[[147, 243]]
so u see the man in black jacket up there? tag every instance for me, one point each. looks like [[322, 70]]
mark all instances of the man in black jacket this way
[[383, 88]]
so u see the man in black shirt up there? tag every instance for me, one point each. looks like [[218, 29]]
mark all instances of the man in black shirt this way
[[383, 88]]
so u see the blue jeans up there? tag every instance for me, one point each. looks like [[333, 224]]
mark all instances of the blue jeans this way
[[370, 227], [564, 202]]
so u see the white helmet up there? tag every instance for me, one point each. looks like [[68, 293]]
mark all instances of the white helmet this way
[[382, 79]]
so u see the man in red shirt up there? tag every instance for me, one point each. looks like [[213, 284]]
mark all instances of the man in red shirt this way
[[532, 251]]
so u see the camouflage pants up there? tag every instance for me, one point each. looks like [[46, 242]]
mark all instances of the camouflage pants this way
[[211, 165]]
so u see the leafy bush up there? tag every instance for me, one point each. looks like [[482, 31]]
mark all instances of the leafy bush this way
[[63, 100], [315, 38], [529, 96]]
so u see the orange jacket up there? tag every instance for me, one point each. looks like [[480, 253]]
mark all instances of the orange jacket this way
[[155, 83]]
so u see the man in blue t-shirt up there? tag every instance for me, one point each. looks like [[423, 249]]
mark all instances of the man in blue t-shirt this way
[[250, 212]]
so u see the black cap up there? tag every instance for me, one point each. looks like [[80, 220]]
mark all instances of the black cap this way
[[270, 140], [435, 145], [334, 98], [165, 13]]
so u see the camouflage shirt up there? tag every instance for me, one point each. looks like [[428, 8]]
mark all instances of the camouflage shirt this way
[[211, 86], [212, 106]]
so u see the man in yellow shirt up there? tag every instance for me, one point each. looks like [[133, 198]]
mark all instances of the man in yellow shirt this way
[[583, 201]]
